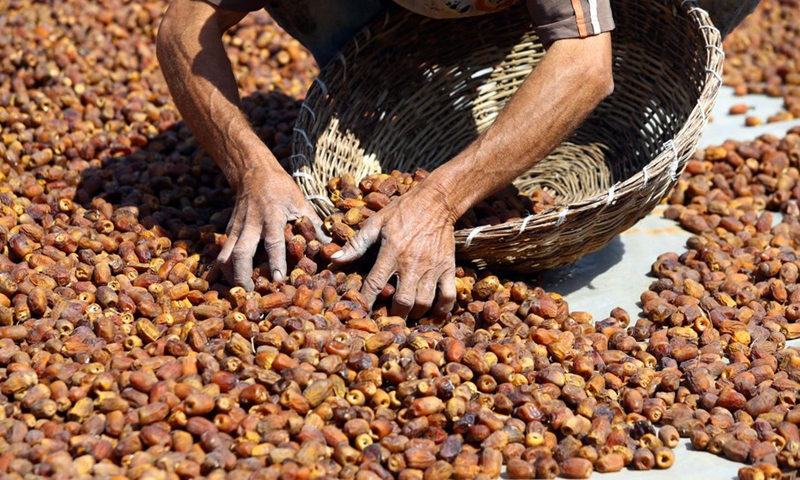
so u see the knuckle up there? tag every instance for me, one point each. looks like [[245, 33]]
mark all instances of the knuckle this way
[[357, 244], [448, 288], [448, 296], [448, 282], [240, 251], [373, 284], [356, 241], [224, 256], [404, 300], [234, 224], [425, 302], [273, 243], [370, 229]]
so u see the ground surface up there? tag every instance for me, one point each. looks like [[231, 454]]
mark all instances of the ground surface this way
[[616, 275]]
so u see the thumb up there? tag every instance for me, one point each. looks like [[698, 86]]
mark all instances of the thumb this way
[[358, 244], [311, 214]]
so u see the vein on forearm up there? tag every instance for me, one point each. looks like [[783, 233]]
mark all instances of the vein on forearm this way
[[201, 80], [548, 106]]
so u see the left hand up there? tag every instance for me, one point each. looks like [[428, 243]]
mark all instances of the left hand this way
[[417, 244]]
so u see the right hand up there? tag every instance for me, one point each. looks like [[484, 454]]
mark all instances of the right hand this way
[[266, 200], [415, 234]]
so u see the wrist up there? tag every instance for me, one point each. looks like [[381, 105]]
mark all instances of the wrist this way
[[438, 197], [450, 191], [248, 164]]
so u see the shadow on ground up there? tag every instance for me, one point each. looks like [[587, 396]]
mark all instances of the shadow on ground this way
[[581, 274], [174, 185]]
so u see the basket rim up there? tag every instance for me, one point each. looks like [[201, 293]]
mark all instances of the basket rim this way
[[685, 139], [670, 160]]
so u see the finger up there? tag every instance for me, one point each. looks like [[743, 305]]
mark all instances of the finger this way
[[242, 257], [310, 213], [378, 277], [233, 226], [275, 246], [224, 257], [447, 293], [406, 294], [320, 231], [358, 244], [426, 291]]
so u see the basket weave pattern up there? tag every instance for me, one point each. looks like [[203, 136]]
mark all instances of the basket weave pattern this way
[[411, 92]]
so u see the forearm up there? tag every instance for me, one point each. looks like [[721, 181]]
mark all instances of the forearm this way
[[200, 78], [565, 87]]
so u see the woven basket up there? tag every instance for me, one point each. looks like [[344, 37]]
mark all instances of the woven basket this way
[[411, 92]]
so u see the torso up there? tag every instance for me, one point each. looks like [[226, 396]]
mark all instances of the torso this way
[[454, 8]]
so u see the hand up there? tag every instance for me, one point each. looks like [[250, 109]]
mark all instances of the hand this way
[[417, 244], [266, 200]]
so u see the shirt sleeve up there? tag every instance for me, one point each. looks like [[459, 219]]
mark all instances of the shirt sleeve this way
[[561, 19], [239, 5]]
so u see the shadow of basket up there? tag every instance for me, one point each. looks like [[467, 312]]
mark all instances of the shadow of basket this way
[[412, 92]]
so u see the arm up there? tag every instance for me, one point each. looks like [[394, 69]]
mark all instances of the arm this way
[[572, 79], [201, 81], [416, 231]]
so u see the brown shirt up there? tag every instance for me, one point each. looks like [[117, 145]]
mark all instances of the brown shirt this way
[[554, 19], [454, 8], [560, 19]]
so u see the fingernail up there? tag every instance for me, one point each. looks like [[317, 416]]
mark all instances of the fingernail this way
[[338, 254], [277, 276]]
